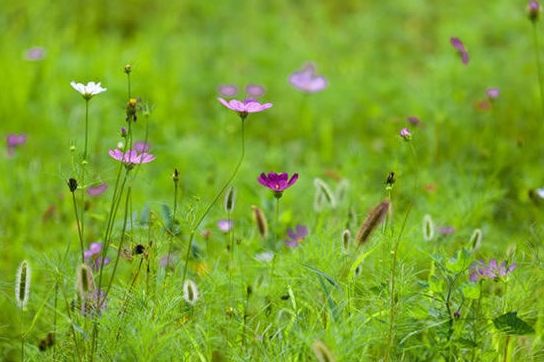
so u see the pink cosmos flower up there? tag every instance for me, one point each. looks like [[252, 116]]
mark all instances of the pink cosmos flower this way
[[277, 182], [243, 108], [131, 157], [97, 190], [405, 134], [141, 147], [307, 80], [227, 90], [463, 53], [491, 270]]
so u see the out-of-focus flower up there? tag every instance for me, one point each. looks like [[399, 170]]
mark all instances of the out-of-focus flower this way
[[168, 261], [533, 10], [35, 54], [413, 120], [277, 182], [225, 225], [405, 134], [446, 230], [307, 80], [227, 90], [491, 270], [463, 53], [93, 258], [13, 141], [131, 157], [254, 91], [97, 190], [296, 236], [243, 108], [493, 93], [88, 90], [141, 147]]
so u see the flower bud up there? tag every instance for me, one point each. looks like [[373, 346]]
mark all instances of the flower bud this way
[[72, 184]]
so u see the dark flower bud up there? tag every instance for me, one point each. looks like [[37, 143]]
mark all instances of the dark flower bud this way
[[533, 10], [390, 180], [138, 249], [124, 132], [175, 175], [72, 184]]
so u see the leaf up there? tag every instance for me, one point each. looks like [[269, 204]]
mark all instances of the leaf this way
[[471, 290], [509, 323], [322, 274]]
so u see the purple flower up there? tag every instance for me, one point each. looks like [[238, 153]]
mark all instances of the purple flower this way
[[97, 190], [131, 157], [34, 54], [13, 141], [493, 93], [243, 108], [277, 182], [225, 225], [446, 230], [405, 134], [491, 270], [413, 120], [458, 44], [93, 258], [307, 80], [141, 147], [254, 90], [227, 90], [296, 236]]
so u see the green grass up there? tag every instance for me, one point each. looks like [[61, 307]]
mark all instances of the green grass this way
[[469, 169]]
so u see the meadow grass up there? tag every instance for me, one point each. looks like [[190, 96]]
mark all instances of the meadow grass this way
[[413, 282]]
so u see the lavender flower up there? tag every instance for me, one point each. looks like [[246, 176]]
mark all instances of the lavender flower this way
[[463, 53], [533, 10], [225, 225], [296, 236], [35, 54], [277, 182], [97, 190], [13, 141], [227, 90], [405, 134], [307, 80], [131, 157], [93, 258], [446, 230], [493, 93], [491, 270], [243, 108], [141, 147], [254, 90]]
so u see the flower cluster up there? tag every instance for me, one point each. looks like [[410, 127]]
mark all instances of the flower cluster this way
[[491, 270]]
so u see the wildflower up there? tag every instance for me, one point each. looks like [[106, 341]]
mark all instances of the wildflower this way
[[93, 258], [254, 90], [131, 157], [405, 134], [243, 108], [413, 120], [13, 141], [493, 93], [428, 228], [35, 54], [22, 284], [296, 236], [374, 218], [97, 190], [458, 44], [190, 292], [141, 147], [88, 90], [227, 90], [533, 10], [277, 182], [307, 80], [491, 270], [225, 225]]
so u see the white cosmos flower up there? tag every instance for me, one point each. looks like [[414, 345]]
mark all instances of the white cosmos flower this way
[[88, 90]]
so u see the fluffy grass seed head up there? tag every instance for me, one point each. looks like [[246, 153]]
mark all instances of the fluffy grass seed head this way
[[327, 194], [22, 284], [230, 200], [322, 352], [84, 281], [346, 241], [476, 239], [260, 220], [374, 218], [190, 292], [428, 228]]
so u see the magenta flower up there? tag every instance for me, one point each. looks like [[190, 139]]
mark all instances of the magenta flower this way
[[254, 91], [245, 107], [227, 90], [225, 225], [277, 182], [307, 80], [491, 271], [131, 157], [405, 134], [493, 93], [463, 53], [97, 190], [296, 236], [13, 141], [93, 258]]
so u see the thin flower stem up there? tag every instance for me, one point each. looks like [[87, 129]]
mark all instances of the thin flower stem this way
[[209, 207], [172, 232], [277, 222], [79, 228], [85, 149], [81, 223], [539, 65]]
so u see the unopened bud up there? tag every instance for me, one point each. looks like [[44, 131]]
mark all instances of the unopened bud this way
[[72, 184]]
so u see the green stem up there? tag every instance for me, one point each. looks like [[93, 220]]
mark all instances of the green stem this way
[[539, 65], [209, 207], [79, 228]]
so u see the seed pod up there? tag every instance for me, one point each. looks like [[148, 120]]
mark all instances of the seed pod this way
[[322, 352], [346, 241], [476, 239], [428, 228], [22, 284], [374, 218], [190, 292], [230, 199], [260, 220], [85, 281]]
